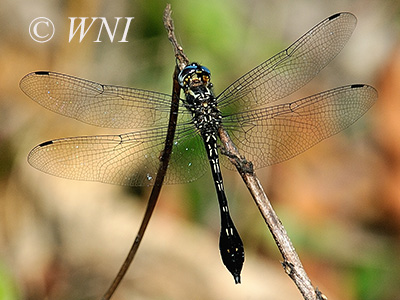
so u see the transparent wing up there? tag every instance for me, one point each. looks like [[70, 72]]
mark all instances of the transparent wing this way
[[97, 104], [126, 159], [277, 133], [292, 68]]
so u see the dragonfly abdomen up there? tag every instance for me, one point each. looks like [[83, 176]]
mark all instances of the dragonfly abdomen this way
[[230, 243]]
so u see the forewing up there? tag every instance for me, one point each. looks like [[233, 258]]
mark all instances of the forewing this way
[[292, 68], [274, 134], [97, 104]]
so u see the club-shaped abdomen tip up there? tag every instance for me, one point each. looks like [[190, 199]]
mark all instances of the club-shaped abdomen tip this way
[[232, 251]]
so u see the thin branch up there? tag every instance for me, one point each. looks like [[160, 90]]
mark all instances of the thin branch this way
[[164, 160], [182, 60]]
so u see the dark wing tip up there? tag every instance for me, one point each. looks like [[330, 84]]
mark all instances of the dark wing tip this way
[[28, 76], [334, 16], [339, 14], [372, 94], [365, 86]]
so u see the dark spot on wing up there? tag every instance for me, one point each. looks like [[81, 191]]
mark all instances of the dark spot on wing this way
[[357, 86], [42, 73], [334, 16], [44, 144]]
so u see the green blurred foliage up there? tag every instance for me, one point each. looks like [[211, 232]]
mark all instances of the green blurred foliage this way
[[8, 290]]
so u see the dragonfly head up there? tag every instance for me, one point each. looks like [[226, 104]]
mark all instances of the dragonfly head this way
[[194, 75]]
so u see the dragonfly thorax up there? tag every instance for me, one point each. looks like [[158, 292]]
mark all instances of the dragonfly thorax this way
[[200, 100]]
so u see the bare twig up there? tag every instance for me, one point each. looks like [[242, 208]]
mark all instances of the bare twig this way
[[164, 160], [182, 60]]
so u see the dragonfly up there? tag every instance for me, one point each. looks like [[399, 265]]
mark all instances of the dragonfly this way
[[265, 132]]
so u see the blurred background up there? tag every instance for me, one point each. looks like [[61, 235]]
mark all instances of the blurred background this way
[[339, 201]]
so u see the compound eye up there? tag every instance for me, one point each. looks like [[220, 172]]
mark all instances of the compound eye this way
[[206, 70]]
